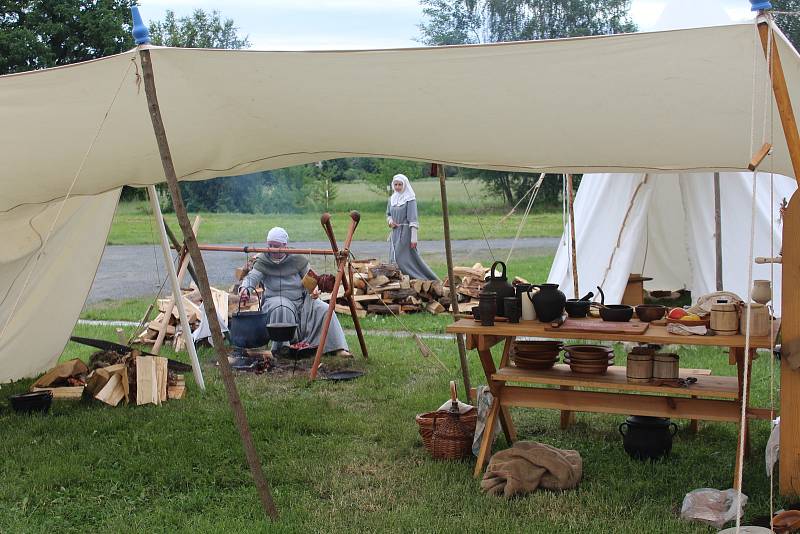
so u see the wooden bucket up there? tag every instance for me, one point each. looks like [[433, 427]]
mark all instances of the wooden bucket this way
[[724, 318], [665, 366], [759, 320], [639, 367]]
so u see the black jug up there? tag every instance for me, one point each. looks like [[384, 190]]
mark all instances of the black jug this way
[[487, 307], [500, 286], [549, 302]]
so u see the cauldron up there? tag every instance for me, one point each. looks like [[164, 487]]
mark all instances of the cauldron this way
[[647, 438], [248, 329]]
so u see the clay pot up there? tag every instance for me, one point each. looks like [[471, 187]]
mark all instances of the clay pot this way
[[762, 291], [487, 307], [500, 286], [647, 438], [548, 302]]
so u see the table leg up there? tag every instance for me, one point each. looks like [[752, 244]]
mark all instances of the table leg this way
[[694, 424], [489, 369], [488, 437], [567, 416]]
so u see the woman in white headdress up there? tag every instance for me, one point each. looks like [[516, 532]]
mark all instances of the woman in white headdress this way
[[286, 299], [401, 214]]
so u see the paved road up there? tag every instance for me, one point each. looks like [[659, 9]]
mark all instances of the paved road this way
[[138, 270]]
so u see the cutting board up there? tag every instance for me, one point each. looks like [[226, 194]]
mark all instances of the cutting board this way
[[598, 325]]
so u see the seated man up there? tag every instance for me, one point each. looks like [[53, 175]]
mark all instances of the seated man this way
[[287, 301]]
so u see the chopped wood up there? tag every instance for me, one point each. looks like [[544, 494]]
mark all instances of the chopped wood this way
[[161, 378], [409, 308], [388, 270], [435, 307], [176, 392], [146, 381], [426, 286], [378, 281], [397, 294], [64, 393], [405, 282], [390, 287], [112, 392], [384, 309], [346, 311]]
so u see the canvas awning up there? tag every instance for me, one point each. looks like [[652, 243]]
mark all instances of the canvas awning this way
[[685, 100]]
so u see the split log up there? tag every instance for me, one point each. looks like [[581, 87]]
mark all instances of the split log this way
[[405, 282], [378, 281], [397, 294], [345, 310], [384, 309], [385, 269], [435, 307]]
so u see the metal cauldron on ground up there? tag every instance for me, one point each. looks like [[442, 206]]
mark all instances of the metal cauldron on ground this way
[[647, 438]]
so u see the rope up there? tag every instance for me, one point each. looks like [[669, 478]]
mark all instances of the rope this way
[[475, 209], [40, 253], [751, 259], [535, 190]]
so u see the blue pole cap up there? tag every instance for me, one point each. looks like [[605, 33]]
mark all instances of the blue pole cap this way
[[141, 35], [760, 5]]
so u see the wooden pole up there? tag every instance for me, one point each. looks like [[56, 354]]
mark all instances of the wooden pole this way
[[718, 230], [341, 261], [239, 416], [347, 280], [571, 197], [448, 250], [789, 465], [273, 250]]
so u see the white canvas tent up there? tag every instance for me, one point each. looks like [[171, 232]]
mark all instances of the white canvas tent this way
[[83, 131], [663, 225]]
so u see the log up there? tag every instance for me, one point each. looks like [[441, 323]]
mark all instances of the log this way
[[405, 282], [416, 285], [146, 381], [409, 308], [378, 281], [176, 392], [385, 269], [435, 308], [112, 392], [64, 393], [397, 294], [437, 289], [384, 309], [346, 311]]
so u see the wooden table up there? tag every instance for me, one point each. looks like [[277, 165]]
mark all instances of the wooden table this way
[[713, 398]]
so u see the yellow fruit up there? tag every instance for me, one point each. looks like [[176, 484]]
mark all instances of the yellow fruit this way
[[691, 317]]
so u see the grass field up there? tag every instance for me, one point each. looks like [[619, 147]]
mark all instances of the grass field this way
[[133, 224], [340, 457]]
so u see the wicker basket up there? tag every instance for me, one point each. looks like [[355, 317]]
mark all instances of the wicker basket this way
[[448, 435]]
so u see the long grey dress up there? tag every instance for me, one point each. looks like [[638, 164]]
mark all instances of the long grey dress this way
[[287, 301], [400, 252]]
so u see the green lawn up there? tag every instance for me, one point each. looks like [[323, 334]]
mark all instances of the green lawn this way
[[133, 224], [340, 457]]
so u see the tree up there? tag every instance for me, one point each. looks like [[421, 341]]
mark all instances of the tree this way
[[208, 30], [199, 30], [451, 22], [35, 34], [789, 24]]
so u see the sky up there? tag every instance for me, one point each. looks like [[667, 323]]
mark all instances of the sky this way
[[350, 24]]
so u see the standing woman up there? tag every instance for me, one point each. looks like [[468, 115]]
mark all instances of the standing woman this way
[[401, 214]]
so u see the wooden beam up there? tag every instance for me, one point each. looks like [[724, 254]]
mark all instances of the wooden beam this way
[[240, 418], [789, 475], [571, 197]]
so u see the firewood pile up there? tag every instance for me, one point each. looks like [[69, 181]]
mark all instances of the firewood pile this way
[[111, 378], [380, 288], [163, 328]]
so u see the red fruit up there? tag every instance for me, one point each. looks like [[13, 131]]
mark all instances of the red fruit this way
[[677, 313]]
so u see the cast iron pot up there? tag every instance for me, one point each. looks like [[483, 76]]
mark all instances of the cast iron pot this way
[[619, 313], [38, 401], [282, 331], [577, 308], [248, 329], [647, 438]]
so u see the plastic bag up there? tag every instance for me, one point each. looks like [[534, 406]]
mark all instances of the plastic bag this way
[[712, 506]]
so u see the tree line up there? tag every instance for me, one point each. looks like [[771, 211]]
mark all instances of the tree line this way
[[37, 34]]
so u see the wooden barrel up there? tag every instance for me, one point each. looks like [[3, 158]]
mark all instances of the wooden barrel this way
[[665, 366], [759, 320], [639, 367], [724, 318]]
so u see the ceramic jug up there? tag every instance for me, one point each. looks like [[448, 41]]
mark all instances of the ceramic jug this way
[[549, 302], [499, 285]]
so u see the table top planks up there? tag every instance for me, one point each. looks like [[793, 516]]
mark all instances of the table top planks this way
[[654, 334]]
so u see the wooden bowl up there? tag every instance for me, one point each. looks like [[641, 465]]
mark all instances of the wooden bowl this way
[[650, 312], [539, 366], [588, 352], [540, 356]]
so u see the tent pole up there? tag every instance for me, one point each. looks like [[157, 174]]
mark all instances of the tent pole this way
[[177, 294], [448, 250], [789, 470], [571, 196], [718, 230], [240, 418]]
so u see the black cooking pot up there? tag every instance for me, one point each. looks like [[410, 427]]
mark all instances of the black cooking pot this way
[[500, 286], [619, 313], [248, 329], [577, 308], [282, 331], [647, 438], [34, 402]]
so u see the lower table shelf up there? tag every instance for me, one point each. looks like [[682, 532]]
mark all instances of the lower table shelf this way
[[725, 387]]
